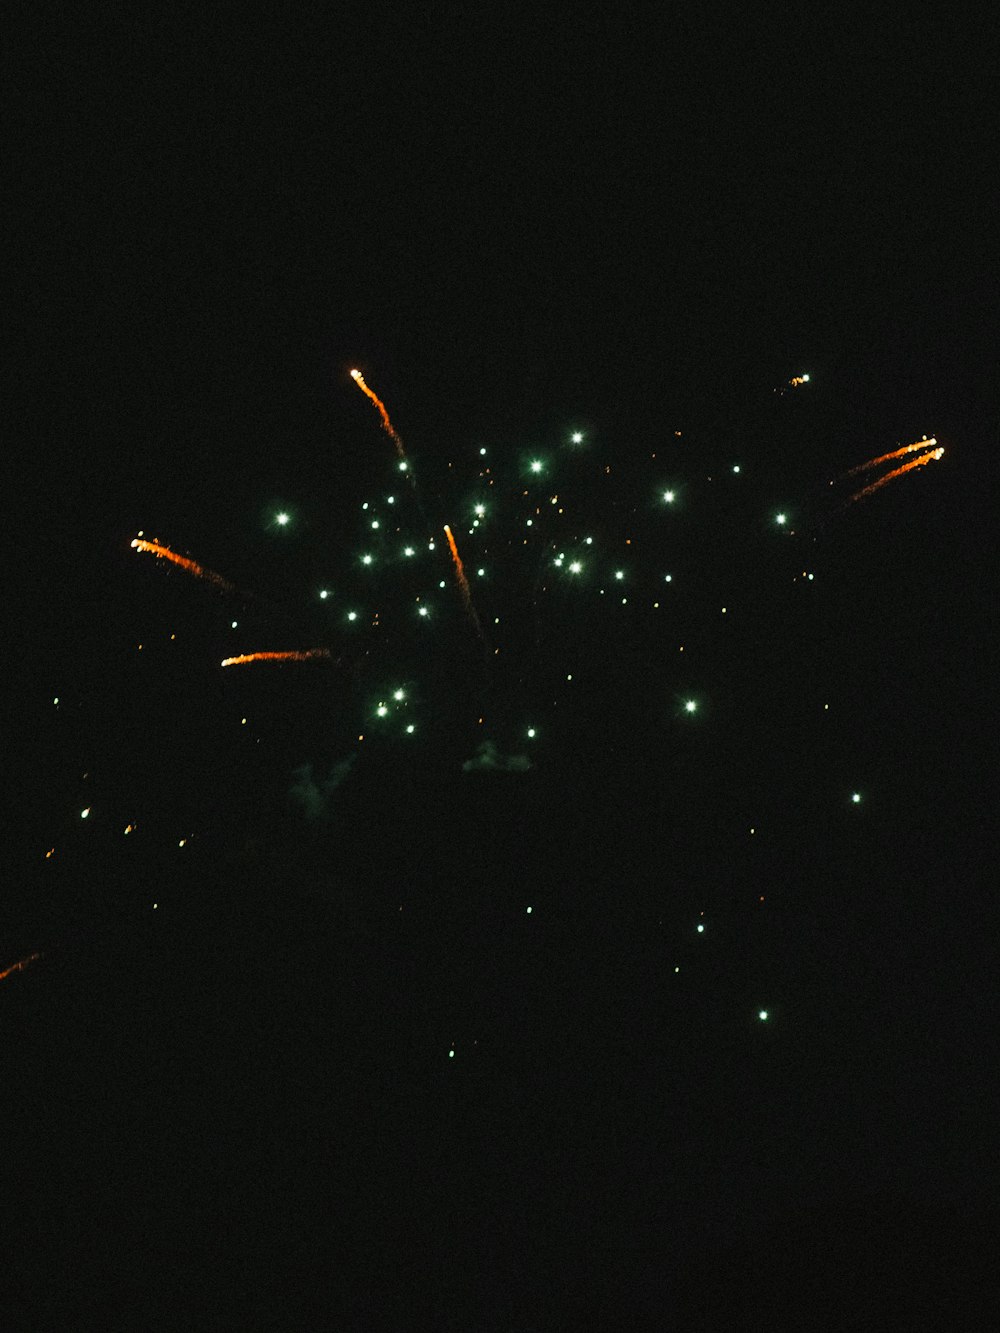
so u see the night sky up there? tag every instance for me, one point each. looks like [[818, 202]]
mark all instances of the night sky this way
[[616, 943]]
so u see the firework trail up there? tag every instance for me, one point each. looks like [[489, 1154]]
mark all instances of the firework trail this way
[[192, 566], [307, 655], [19, 966], [896, 453], [463, 582], [387, 425], [897, 472]]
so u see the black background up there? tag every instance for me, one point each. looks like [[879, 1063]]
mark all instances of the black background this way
[[240, 1111]]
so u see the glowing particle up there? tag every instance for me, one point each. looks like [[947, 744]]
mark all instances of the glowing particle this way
[[352, 615], [366, 559], [85, 814], [701, 929], [381, 710], [619, 573], [451, 1054], [182, 842], [668, 497], [408, 550], [536, 465], [375, 523], [403, 465], [282, 519], [531, 733], [295, 656], [323, 594], [575, 567], [155, 906], [56, 701], [410, 729], [390, 499], [423, 611], [762, 1015], [399, 695], [387, 425], [736, 467], [480, 510], [691, 706], [577, 437], [528, 911], [482, 453], [781, 519], [856, 798]]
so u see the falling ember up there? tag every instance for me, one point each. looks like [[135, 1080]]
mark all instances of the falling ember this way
[[897, 472], [387, 425], [463, 582], [192, 566], [306, 656], [896, 453], [19, 966]]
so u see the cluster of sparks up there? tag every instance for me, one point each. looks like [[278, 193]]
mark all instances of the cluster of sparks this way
[[558, 554]]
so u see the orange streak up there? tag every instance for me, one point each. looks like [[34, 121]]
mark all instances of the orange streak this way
[[463, 582], [306, 656], [896, 453], [387, 425], [192, 566], [19, 966], [898, 472]]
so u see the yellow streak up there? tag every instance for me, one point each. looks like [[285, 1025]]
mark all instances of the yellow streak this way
[[305, 656], [463, 582]]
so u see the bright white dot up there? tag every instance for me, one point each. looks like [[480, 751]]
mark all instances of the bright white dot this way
[[856, 798], [451, 1054], [810, 578], [402, 467], [701, 930], [243, 721], [375, 523], [324, 594], [482, 453], [826, 708], [410, 729], [668, 497], [422, 611], [569, 677], [85, 814], [366, 559], [281, 519], [528, 910], [480, 510], [781, 519], [399, 695], [589, 541], [536, 466], [381, 710], [352, 615], [690, 706], [365, 505], [575, 567], [390, 499], [481, 573], [408, 550], [577, 437], [442, 584], [806, 378], [736, 467], [56, 699], [619, 573], [531, 733], [430, 546], [182, 842], [762, 1015], [669, 578]]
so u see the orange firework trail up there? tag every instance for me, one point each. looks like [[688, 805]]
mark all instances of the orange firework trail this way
[[897, 472], [192, 566], [308, 655], [463, 582], [387, 425], [896, 453], [19, 966]]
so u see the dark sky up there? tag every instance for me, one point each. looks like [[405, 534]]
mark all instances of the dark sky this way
[[519, 222]]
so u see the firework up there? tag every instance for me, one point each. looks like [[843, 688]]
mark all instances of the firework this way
[[307, 655], [925, 443], [191, 566], [463, 582], [19, 966], [387, 425], [897, 472]]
